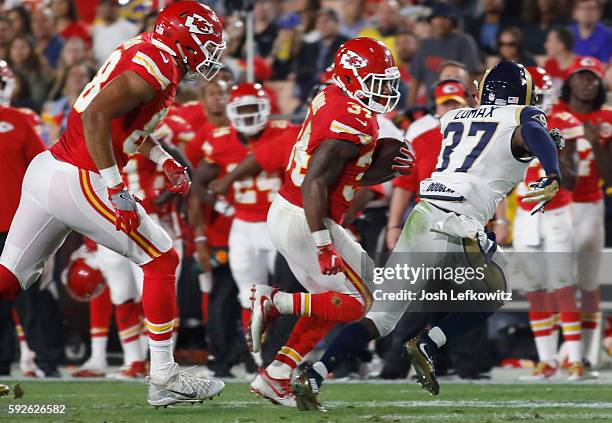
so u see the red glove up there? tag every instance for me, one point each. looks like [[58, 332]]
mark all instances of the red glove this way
[[124, 204], [330, 261], [179, 181], [404, 161]]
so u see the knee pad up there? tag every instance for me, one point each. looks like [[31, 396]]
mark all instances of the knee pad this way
[[165, 264]]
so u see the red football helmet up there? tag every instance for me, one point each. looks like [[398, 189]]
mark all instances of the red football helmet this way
[[83, 282], [192, 32], [7, 83], [248, 108], [365, 70], [543, 88]]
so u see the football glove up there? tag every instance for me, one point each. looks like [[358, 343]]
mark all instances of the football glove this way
[[557, 138], [330, 261], [124, 204], [541, 192], [403, 163], [178, 179]]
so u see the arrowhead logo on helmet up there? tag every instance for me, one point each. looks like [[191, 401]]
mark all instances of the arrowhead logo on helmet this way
[[351, 60], [198, 25]]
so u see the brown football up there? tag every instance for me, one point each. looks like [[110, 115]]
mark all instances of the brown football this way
[[382, 159]]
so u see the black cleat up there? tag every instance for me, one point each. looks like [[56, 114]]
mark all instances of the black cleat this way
[[305, 387], [420, 352]]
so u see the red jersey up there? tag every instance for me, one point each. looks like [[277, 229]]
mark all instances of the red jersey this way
[[426, 138], [174, 130], [157, 68], [19, 144], [332, 115], [217, 225], [588, 186], [273, 154], [572, 131], [254, 194], [193, 113]]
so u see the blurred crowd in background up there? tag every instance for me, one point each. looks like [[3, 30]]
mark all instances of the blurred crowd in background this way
[[55, 46]]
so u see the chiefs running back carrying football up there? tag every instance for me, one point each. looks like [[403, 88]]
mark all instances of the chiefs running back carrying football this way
[[329, 162], [77, 185]]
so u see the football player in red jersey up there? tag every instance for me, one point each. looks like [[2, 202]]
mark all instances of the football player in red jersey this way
[[251, 253], [551, 232], [583, 95], [19, 144], [330, 160], [77, 185]]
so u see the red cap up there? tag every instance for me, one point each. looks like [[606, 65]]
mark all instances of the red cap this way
[[451, 90], [587, 63]]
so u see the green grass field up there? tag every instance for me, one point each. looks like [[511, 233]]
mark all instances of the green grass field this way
[[125, 402]]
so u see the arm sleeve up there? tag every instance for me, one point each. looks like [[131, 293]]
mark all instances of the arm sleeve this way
[[536, 138]]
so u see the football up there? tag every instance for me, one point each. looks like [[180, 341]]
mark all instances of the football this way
[[382, 159]]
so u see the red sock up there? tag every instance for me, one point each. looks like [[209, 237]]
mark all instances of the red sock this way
[[205, 298], [246, 318], [608, 332], [329, 306], [570, 316], [306, 334], [18, 328], [159, 295], [9, 285], [100, 313], [589, 309], [128, 322], [540, 314]]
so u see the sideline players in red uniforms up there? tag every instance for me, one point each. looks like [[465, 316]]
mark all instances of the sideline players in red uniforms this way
[[551, 232], [78, 186], [329, 161], [583, 95], [251, 253]]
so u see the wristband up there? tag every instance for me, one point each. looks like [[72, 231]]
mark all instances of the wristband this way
[[158, 155], [200, 239], [395, 227], [502, 222], [111, 176], [322, 238]]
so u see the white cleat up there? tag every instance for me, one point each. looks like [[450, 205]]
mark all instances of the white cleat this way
[[263, 312], [276, 390], [91, 368], [182, 387]]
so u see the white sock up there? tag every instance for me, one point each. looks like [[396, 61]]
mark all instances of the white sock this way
[[547, 348], [574, 351], [132, 352], [98, 349], [279, 370], [162, 359], [437, 336], [283, 301], [320, 368]]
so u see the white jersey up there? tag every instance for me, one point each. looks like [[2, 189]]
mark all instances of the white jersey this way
[[476, 168]]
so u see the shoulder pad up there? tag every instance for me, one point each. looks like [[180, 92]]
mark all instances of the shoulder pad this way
[[529, 113]]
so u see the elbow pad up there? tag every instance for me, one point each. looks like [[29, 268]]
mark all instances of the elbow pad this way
[[537, 140]]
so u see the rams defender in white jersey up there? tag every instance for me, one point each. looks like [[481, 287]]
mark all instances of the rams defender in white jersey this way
[[485, 154]]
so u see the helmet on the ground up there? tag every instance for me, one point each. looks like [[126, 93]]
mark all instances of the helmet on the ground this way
[[82, 281]]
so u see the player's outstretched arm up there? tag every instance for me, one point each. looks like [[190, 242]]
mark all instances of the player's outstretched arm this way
[[247, 167], [530, 139], [325, 167]]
